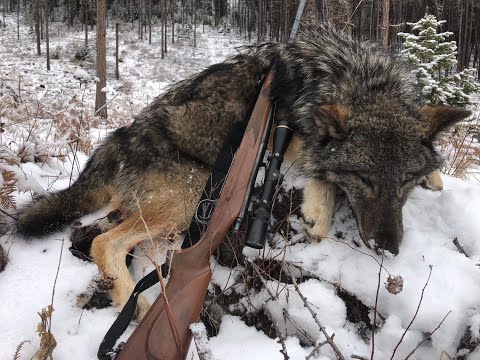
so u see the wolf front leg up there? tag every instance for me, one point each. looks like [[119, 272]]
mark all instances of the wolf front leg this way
[[317, 207], [433, 181]]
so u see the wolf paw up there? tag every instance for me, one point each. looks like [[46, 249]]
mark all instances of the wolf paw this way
[[82, 238], [432, 181], [316, 229], [317, 208]]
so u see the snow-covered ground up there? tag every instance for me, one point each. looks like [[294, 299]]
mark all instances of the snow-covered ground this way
[[341, 262]]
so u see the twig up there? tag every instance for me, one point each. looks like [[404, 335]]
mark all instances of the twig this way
[[108, 103], [314, 315], [460, 248], [359, 357], [415, 315], [9, 215], [306, 335], [427, 337], [281, 335], [446, 354], [351, 16], [16, 356], [375, 308], [317, 348], [168, 308], [359, 251], [55, 283], [199, 333]]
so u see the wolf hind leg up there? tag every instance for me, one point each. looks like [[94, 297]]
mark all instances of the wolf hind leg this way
[[109, 251], [159, 212], [433, 181], [317, 207]]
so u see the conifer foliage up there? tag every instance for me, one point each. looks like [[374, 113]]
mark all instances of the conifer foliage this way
[[434, 60]]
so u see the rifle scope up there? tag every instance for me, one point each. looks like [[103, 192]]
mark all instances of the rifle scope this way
[[257, 231]]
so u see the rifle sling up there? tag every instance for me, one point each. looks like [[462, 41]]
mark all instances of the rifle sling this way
[[105, 350], [214, 185], [196, 229]]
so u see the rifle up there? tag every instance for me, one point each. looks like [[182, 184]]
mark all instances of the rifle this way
[[164, 331]]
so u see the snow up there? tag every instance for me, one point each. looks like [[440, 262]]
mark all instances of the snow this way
[[432, 221], [81, 75]]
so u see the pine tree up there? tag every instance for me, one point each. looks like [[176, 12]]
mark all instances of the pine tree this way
[[434, 61]]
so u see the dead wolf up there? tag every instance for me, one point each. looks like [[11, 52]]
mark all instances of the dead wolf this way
[[357, 124]]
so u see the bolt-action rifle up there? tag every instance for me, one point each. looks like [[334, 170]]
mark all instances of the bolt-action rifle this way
[[163, 333]]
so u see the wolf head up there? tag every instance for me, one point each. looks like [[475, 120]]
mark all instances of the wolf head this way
[[377, 154], [356, 110]]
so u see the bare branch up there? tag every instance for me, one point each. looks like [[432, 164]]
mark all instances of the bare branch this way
[[375, 308], [359, 251], [460, 248], [429, 336], [281, 335], [199, 333], [314, 315], [415, 315], [317, 348]]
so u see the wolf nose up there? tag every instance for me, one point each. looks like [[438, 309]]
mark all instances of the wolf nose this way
[[389, 240], [393, 248]]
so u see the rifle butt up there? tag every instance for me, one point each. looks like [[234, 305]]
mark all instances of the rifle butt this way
[[169, 322]]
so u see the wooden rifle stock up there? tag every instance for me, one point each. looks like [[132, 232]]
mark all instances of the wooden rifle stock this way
[[164, 331]]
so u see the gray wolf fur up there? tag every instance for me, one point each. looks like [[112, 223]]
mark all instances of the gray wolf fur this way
[[357, 126]]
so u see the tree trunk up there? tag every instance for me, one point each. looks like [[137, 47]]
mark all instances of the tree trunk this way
[[385, 23], [117, 20], [172, 7], [150, 22], [91, 25], [259, 21], [85, 9], [162, 32], [37, 26], [41, 21], [194, 9], [182, 13], [18, 19], [140, 19], [166, 26], [47, 39], [101, 97]]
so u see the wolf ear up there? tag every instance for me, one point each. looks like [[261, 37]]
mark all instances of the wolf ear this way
[[440, 118], [331, 120]]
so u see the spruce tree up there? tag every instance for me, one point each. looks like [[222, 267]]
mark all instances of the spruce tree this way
[[433, 58]]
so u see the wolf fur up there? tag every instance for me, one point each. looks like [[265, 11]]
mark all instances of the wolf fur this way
[[356, 122]]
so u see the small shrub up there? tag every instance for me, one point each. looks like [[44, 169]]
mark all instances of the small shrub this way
[[84, 53]]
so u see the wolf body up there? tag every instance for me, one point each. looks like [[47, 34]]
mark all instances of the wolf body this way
[[356, 122]]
